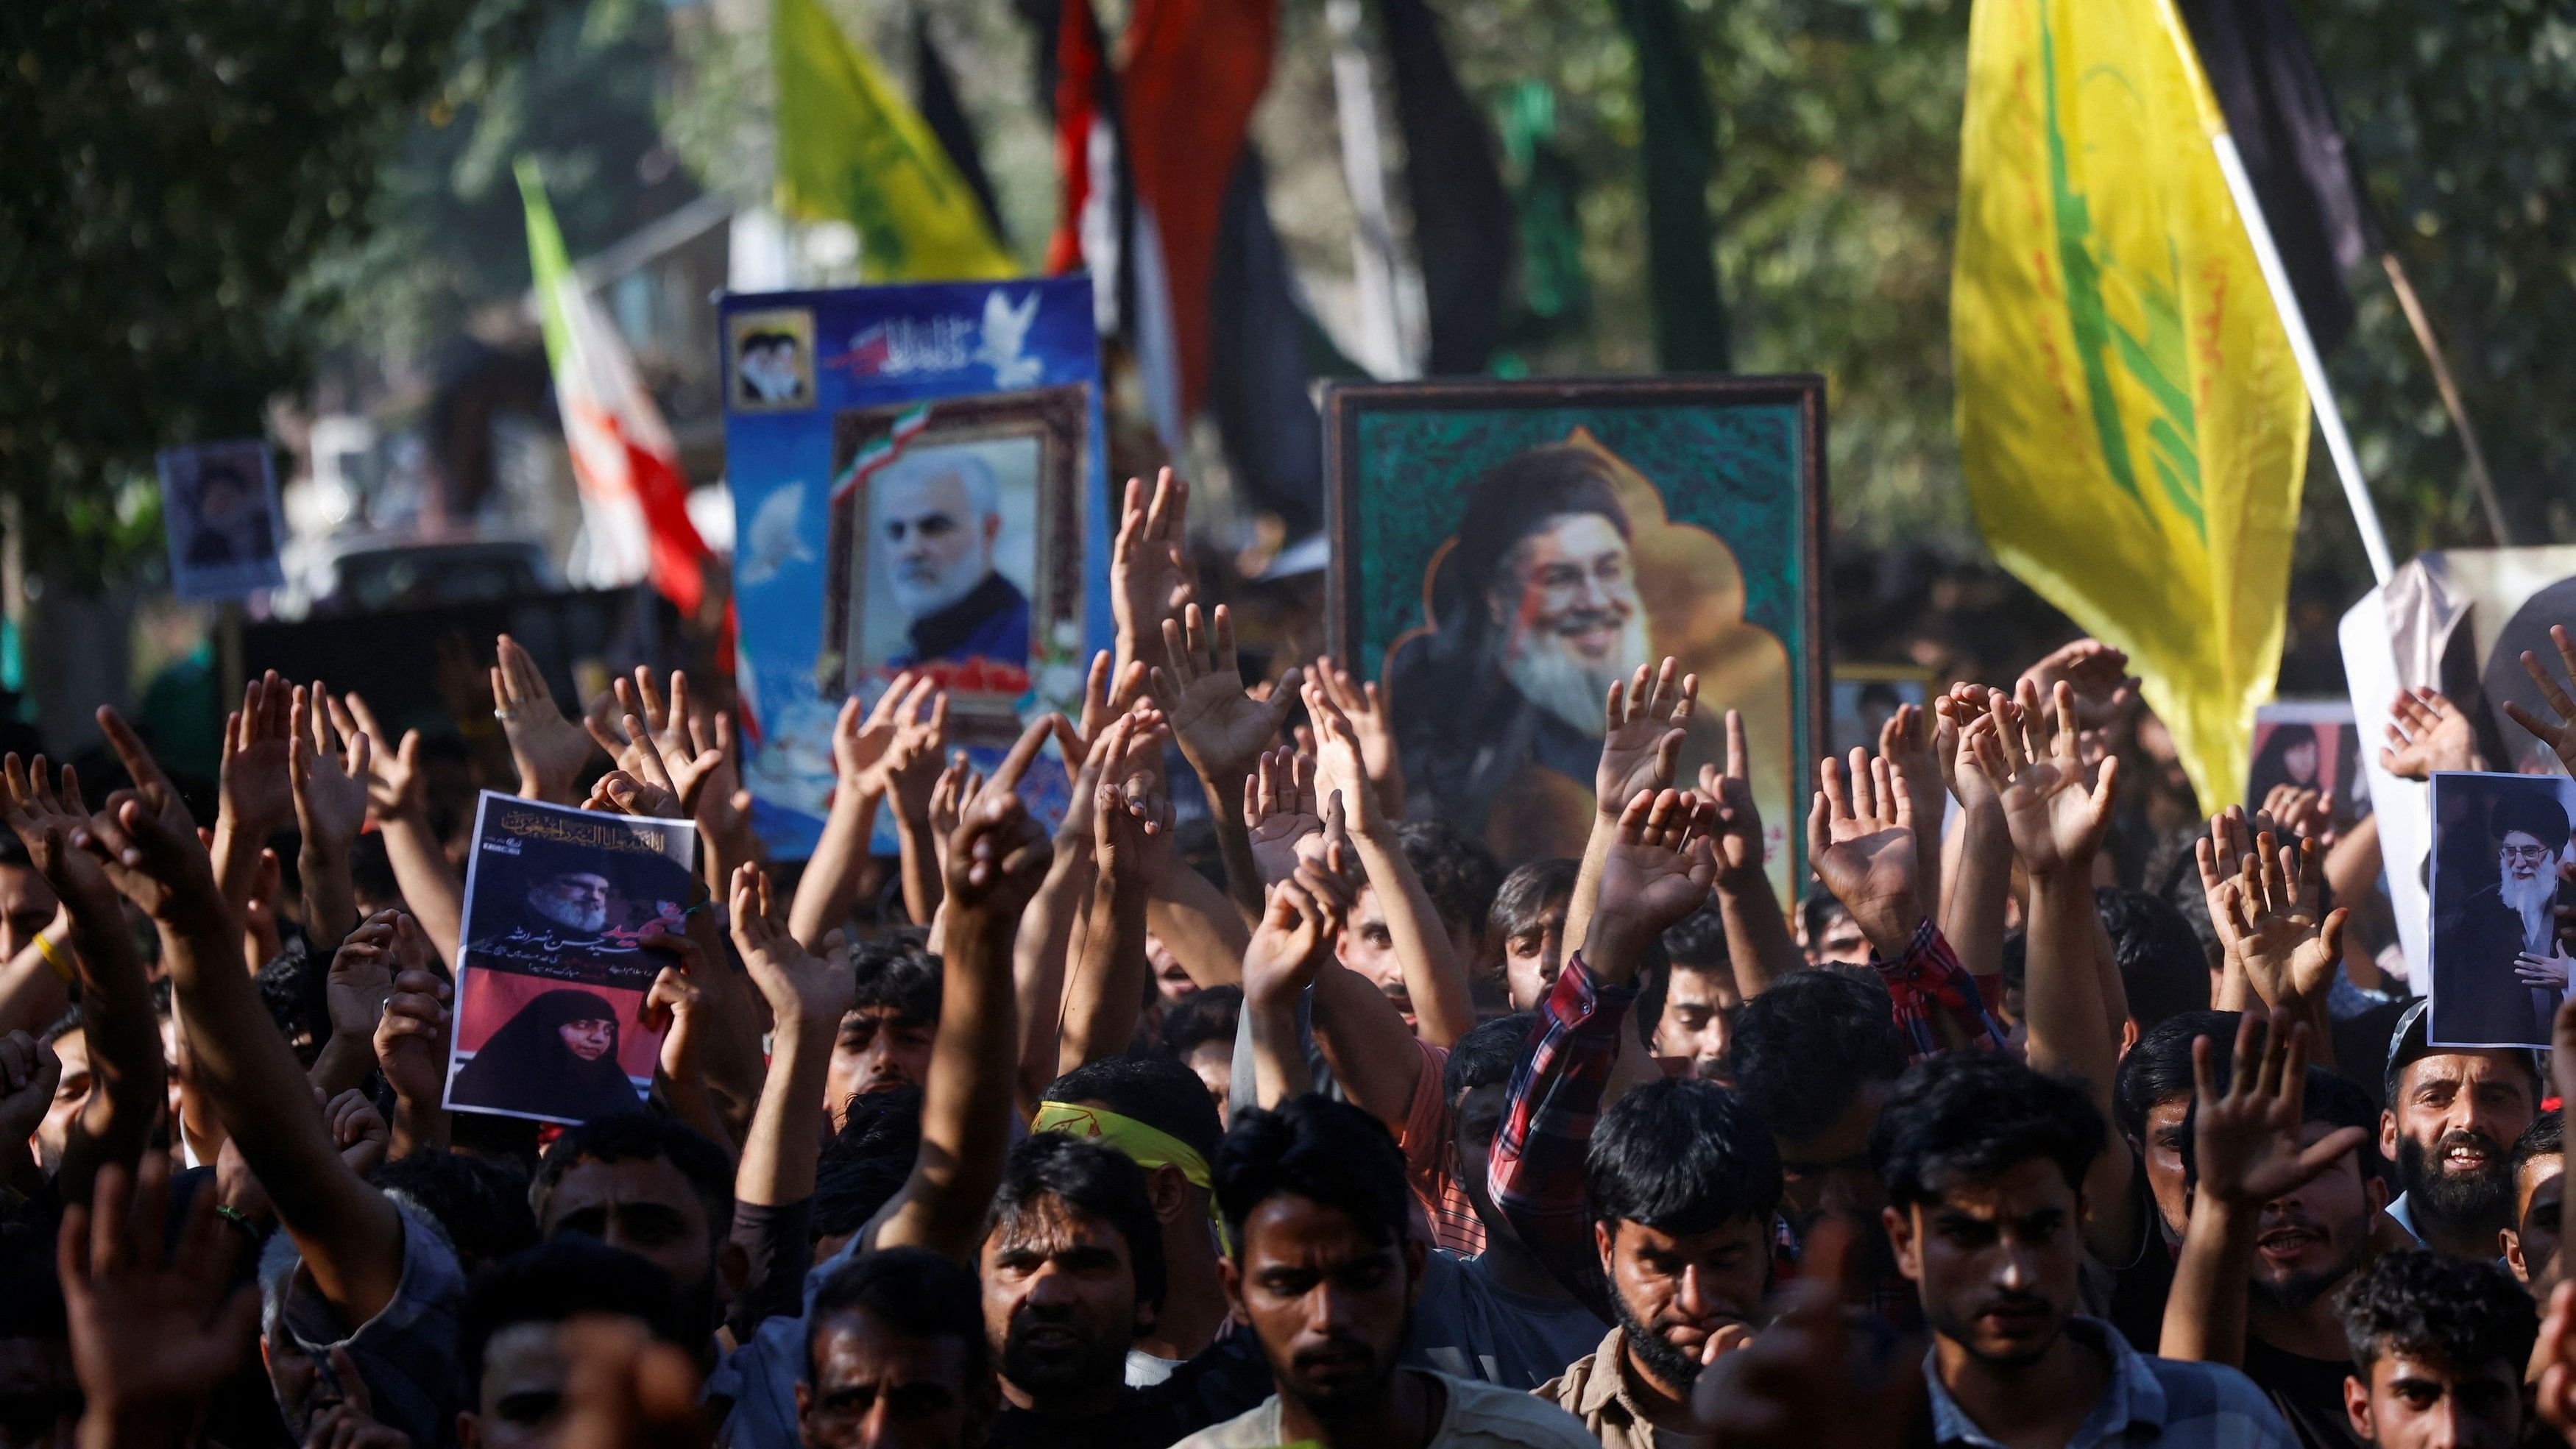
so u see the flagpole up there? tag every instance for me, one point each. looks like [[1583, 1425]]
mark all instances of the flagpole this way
[[2417, 319], [2303, 346]]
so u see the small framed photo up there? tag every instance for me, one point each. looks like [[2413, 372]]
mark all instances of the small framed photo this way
[[769, 359], [2498, 966], [1865, 695], [1503, 551], [2309, 744], [219, 510]]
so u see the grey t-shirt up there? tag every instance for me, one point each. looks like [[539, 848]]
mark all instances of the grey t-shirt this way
[[407, 1352], [1466, 1326]]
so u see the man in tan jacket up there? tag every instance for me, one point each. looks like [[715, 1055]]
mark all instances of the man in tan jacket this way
[[1683, 1186]]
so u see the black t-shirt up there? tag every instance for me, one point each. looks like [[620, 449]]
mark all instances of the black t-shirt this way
[[1226, 1378], [2140, 1286], [2307, 1391]]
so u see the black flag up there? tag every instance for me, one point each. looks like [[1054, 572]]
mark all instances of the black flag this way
[[2266, 79], [936, 94], [1463, 224]]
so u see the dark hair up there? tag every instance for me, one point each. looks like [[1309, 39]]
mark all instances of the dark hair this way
[[291, 985], [911, 1291], [1458, 873], [1487, 1055], [482, 1203], [72, 1020], [867, 1161], [557, 1280], [1802, 1049], [892, 978], [2325, 1097], [2012, 958], [2545, 1137], [1816, 912], [1697, 942], [2162, 967], [1682, 1156], [641, 1137], [1211, 1014], [1089, 1176], [2158, 1068], [2463, 1313], [1504, 504], [1324, 1151], [1524, 895], [1156, 1091], [2412, 1042], [1974, 1116]]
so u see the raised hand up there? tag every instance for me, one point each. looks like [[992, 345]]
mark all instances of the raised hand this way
[[1905, 741], [1107, 693], [362, 976], [46, 821], [1000, 854], [2273, 924], [2558, 733], [411, 1035], [29, 1073], [549, 749], [1860, 841], [1131, 816], [1645, 721], [1659, 869], [2105, 692], [394, 785], [1280, 812], [2037, 773], [358, 1130], [155, 1322], [1222, 730], [1300, 921], [327, 773], [957, 786], [1149, 571], [1360, 702], [144, 837], [257, 794], [1795, 1385], [1736, 828], [2426, 732], [1341, 764], [794, 981], [2247, 1137], [2303, 813]]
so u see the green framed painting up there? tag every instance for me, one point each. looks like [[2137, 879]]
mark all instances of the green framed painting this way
[[1502, 551]]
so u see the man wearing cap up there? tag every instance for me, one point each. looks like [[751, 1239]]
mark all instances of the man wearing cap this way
[[2452, 1117], [2493, 950]]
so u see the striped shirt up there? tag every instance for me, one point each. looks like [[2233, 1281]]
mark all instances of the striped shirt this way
[[2160, 1401]]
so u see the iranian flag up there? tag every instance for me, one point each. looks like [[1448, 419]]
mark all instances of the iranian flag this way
[[634, 502]]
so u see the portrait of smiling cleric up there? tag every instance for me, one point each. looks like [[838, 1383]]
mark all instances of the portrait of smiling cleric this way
[[935, 519]]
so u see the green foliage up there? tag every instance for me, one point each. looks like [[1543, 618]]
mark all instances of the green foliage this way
[[173, 166]]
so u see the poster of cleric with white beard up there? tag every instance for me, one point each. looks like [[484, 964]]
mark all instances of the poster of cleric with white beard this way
[[919, 483], [1502, 552], [2501, 870], [550, 1016], [219, 511]]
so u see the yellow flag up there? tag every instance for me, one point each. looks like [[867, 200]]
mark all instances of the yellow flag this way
[[2131, 420], [850, 149]]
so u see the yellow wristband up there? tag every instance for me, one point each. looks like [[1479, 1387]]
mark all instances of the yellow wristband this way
[[54, 957]]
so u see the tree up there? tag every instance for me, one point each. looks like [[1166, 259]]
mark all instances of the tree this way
[[175, 165]]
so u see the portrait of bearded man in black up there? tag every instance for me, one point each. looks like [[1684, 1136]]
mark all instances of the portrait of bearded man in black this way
[[2499, 968]]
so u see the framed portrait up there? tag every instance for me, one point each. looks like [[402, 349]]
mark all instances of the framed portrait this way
[[2499, 969], [955, 543], [1503, 551], [2309, 744], [220, 515], [769, 360], [1865, 695]]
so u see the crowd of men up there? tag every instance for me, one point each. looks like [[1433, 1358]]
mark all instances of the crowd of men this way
[[1332, 1131]]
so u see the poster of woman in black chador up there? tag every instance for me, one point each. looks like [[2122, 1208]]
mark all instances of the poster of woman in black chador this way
[[550, 993]]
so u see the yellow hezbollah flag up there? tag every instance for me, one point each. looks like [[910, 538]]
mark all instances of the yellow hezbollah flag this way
[[2131, 419], [850, 149]]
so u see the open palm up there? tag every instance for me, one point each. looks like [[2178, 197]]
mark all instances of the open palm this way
[[2559, 733], [1222, 729], [2037, 774], [1660, 864], [1647, 717], [1860, 840]]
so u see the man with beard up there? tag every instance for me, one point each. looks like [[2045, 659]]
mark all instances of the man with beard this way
[[1684, 1189], [936, 519], [2451, 1113], [2438, 1347], [895, 1356], [1072, 1267], [2293, 1245], [1984, 1163], [2494, 948], [1325, 1274], [2539, 1183], [562, 912], [650, 1186], [1538, 613]]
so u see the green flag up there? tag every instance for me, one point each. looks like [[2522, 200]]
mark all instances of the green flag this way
[[850, 149], [1681, 156]]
